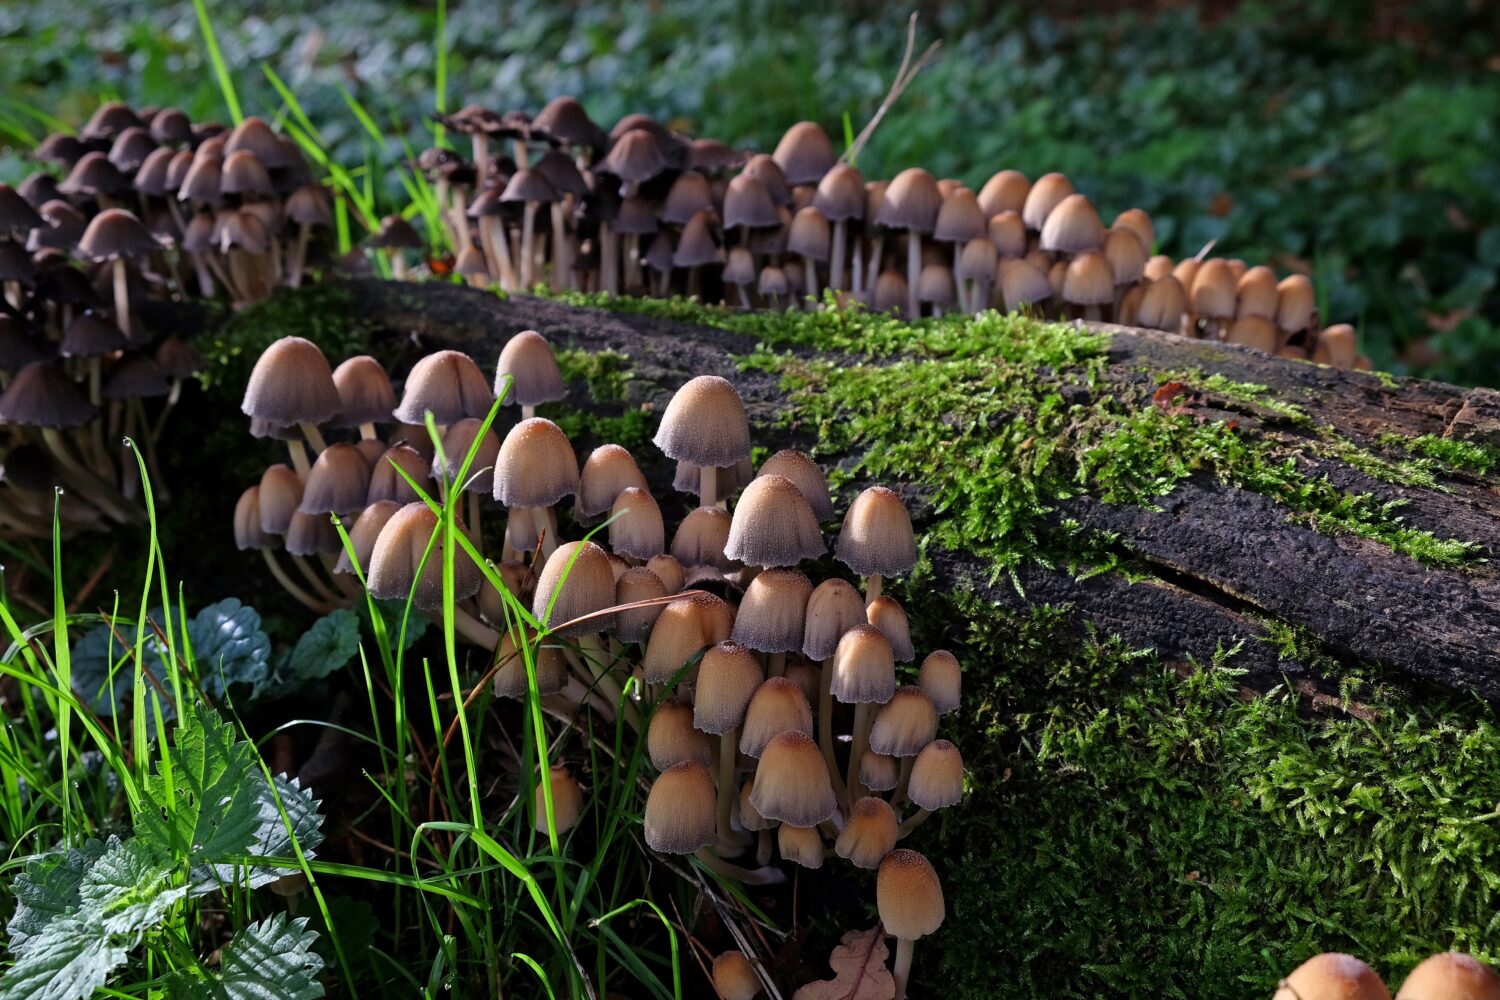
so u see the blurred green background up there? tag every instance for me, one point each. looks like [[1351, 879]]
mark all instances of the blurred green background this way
[[1357, 141]]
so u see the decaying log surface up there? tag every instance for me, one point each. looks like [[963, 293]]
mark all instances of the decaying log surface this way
[[1225, 559]]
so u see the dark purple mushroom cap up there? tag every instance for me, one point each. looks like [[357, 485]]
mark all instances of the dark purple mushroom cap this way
[[130, 149], [255, 136], [565, 122], [60, 148], [94, 175], [115, 234], [91, 336], [108, 121], [135, 377], [529, 186], [42, 395], [17, 217], [171, 127], [395, 233]]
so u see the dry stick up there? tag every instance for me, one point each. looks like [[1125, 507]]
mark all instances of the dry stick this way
[[904, 76]]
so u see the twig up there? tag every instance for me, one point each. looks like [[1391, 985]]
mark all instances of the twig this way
[[904, 76]]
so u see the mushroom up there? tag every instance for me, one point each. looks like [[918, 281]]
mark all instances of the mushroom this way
[[773, 525], [936, 288], [308, 207], [698, 246], [115, 236], [960, 220], [535, 469], [910, 900], [636, 585], [772, 615], [801, 845], [941, 677], [1451, 974], [705, 423], [527, 360], [877, 540], [911, 202], [728, 677], [292, 385], [532, 189], [804, 154], [1089, 282], [447, 384], [249, 535], [841, 199], [672, 739], [790, 786], [608, 471], [809, 237], [1004, 192], [935, 781], [566, 796], [395, 235], [1334, 976], [864, 675], [870, 833], [635, 527], [679, 815], [414, 534], [1045, 194], [734, 978]]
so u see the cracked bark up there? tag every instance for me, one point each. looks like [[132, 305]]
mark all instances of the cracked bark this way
[[1224, 559]]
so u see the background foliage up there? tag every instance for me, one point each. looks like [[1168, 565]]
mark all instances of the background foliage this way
[[1352, 140]]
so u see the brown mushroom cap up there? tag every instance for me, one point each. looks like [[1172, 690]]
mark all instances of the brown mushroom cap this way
[[1337, 345], [1297, 304], [364, 533], [672, 738], [1212, 289], [291, 384], [887, 614], [115, 233], [705, 423], [1045, 195], [809, 234], [1073, 226], [89, 336], [734, 977], [635, 157], [805, 153], [449, 385], [801, 845], [42, 395], [960, 219], [510, 681], [911, 202], [637, 584], [877, 536], [806, 475], [680, 810], [937, 776], [579, 574], [698, 243], [1021, 284], [684, 628], [864, 668], [773, 612], [979, 261], [1253, 331], [398, 552], [909, 895], [1451, 975], [94, 175], [773, 525], [1163, 304], [608, 471], [841, 194], [536, 466], [567, 801], [942, 678], [1333, 976], [1005, 191], [280, 496], [701, 539], [386, 483], [134, 376], [879, 772], [728, 678], [791, 781], [777, 706], [247, 531], [935, 285], [458, 440], [833, 608], [1138, 222], [365, 393], [338, 482], [905, 724], [636, 528], [870, 833], [242, 173], [565, 121], [255, 136]]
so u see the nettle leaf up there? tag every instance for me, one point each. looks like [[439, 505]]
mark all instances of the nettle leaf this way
[[327, 646], [229, 646], [113, 646], [271, 838], [210, 809], [47, 888], [71, 959], [129, 889], [270, 960]]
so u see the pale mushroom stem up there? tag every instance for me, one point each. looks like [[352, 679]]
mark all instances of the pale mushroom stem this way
[[527, 412], [913, 821], [367, 432], [299, 256], [461, 216], [913, 273], [872, 588], [528, 238], [963, 300], [471, 628], [314, 436], [298, 452], [728, 748], [96, 427], [902, 970], [547, 542], [480, 143], [706, 485], [763, 847], [744, 876], [122, 296], [290, 586], [810, 270], [492, 234], [609, 264], [857, 275], [903, 782], [744, 298], [877, 250], [398, 265], [561, 268], [836, 264], [205, 276], [97, 492], [825, 728], [522, 157], [778, 664], [862, 715]]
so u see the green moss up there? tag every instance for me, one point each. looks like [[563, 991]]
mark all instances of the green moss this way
[[605, 373], [1152, 832], [325, 314], [631, 429], [1470, 456]]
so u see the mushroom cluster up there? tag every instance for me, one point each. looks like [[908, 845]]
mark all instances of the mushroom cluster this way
[[742, 673], [644, 210], [1447, 975]]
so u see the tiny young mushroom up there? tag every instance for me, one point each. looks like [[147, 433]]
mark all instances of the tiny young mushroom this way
[[936, 781], [877, 540], [734, 978], [941, 677], [395, 236], [869, 834], [1451, 974], [909, 897]]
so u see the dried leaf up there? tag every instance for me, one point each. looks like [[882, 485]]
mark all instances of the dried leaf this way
[[859, 961]]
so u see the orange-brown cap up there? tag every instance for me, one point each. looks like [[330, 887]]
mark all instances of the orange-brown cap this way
[[671, 738], [637, 584], [607, 471], [1256, 293], [510, 680], [701, 539], [1212, 290], [806, 475], [773, 525], [1252, 331], [833, 608], [870, 833], [1162, 306], [669, 571], [728, 677], [809, 234], [536, 466], [576, 581], [337, 482], [684, 627], [1046, 193], [291, 383], [1336, 345], [1005, 191], [806, 676], [1088, 280], [904, 724], [1021, 284], [680, 810], [705, 424], [841, 194], [801, 845], [942, 679], [1297, 304], [864, 668], [635, 527], [889, 294], [960, 219], [1073, 226], [877, 536], [776, 707], [1332, 976], [909, 895], [734, 977], [1451, 975], [1138, 222], [1008, 233], [447, 384], [937, 776], [567, 801], [791, 781], [773, 612], [878, 772], [1125, 254], [887, 614]]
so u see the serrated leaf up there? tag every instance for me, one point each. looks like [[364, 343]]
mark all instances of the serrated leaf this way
[[129, 889], [211, 810], [108, 646], [47, 888], [271, 838], [859, 963], [229, 646], [270, 960], [69, 961]]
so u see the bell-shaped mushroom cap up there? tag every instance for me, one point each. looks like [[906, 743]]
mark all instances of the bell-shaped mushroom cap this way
[[1005, 191], [365, 393], [671, 738], [1451, 975], [42, 395], [909, 895], [684, 627], [911, 202], [886, 614], [879, 772], [171, 127], [253, 135], [941, 677], [701, 539], [1256, 294], [449, 385], [777, 706], [978, 261], [1337, 345], [1159, 267], [1073, 226], [801, 845], [748, 202], [1088, 280], [567, 801], [312, 535], [280, 496], [809, 234], [458, 441], [792, 783], [960, 219], [398, 552], [1008, 233], [877, 536], [1296, 304], [565, 121], [178, 359], [134, 376], [728, 677], [338, 482], [637, 584], [636, 528], [637, 217], [310, 205], [529, 186], [773, 525], [804, 474], [734, 978], [1045, 195], [510, 680], [1162, 306], [833, 609], [1125, 254], [766, 170], [705, 423], [805, 153], [61, 229], [1252, 331], [1333, 976], [470, 263], [576, 581], [937, 776], [244, 174], [17, 217], [109, 120], [935, 285], [904, 724], [841, 194], [247, 531], [864, 667], [386, 483], [88, 336], [1021, 284], [607, 472], [1212, 289], [536, 466], [291, 384], [773, 281], [773, 612], [680, 810], [1138, 222], [870, 834], [60, 148], [635, 157], [114, 234], [94, 175], [698, 245], [534, 377], [690, 194], [669, 571], [363, 535], [562, 173]]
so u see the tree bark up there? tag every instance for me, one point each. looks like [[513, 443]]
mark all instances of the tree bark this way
[[1223, 561]]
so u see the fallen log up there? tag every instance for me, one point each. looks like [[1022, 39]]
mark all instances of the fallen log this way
[[1212, 564]]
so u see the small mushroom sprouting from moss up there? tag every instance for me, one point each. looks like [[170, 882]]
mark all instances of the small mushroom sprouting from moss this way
[[734, 977], [679, 816], [567, 801], [936, 781], [877, 539], [912, 202], [1332, 975], [909, 897]]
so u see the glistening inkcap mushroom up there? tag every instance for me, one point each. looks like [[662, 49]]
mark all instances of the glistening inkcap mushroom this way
[[909, 898], [705, 423]]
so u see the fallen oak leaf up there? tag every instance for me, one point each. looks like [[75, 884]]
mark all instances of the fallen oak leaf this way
[[859, 961]]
